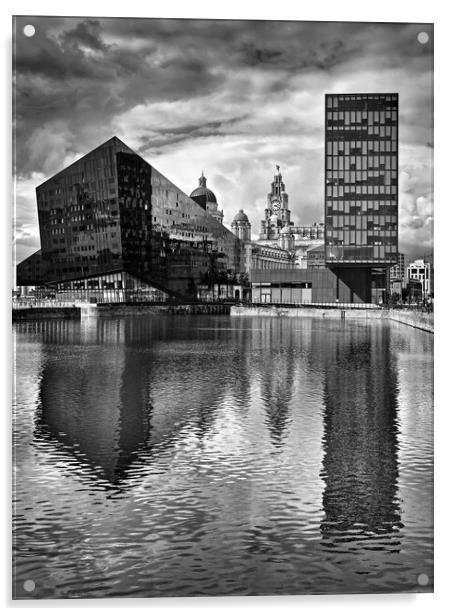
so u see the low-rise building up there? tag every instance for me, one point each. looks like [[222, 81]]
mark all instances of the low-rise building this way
[[421, 271]]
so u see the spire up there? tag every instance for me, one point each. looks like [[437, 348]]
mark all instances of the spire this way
[[202, 179]]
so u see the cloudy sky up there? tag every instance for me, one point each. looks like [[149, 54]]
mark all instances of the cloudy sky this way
[[232, 98]]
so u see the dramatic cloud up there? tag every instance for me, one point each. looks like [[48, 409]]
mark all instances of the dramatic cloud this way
[[233, 98]]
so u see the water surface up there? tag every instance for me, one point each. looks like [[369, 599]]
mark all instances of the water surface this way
[[185, 455]]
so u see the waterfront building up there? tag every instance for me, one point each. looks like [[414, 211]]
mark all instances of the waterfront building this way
[[421, 271], [277, 228], [361, 190], [30, 272], [258, 255], [315, 285], [113, 228], [281, 243]]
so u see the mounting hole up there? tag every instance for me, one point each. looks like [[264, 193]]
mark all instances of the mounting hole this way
[[29, 585], [423, 38], [29, 30], [422, 579]]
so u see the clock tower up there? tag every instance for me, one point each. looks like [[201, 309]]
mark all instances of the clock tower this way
[[277, 213]]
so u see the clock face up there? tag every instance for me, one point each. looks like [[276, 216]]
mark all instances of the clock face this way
[[276, 205]]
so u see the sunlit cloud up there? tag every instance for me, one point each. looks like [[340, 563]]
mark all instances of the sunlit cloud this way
[[230, 98]]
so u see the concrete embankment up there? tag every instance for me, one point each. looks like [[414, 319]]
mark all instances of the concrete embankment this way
[[114, 310], [134, 309], [420, 320], [284, 311]]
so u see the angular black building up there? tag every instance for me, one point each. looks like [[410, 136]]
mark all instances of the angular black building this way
[[112, 227], [361, 189]]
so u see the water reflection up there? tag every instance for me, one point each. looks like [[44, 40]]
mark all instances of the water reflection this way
[[360, 466], [114, 390], [98, 406], [192, 456]]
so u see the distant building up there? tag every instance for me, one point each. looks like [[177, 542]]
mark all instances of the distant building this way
[[113, 228], [277, 229], [259, 256], [241, 226], [421, 271], [397, 276], [281, 244], [397, 271], [316, 257]]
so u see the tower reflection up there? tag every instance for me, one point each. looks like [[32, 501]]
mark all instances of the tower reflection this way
[[277, 371], [360, 465]]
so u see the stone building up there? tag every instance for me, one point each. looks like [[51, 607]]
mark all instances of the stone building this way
[[281, 243]]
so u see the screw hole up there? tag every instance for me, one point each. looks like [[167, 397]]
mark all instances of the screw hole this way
[[29, 30], [422, 579], [29, 585], [423, 38]]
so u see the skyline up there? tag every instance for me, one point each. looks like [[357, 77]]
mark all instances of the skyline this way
[[231, 98]]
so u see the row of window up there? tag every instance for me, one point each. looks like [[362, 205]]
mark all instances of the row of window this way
[[356, 148], [383, 133], [362, 102], [353, 117], [353, 191], [339, 221]]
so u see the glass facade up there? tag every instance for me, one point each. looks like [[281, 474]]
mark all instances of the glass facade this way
[[361, 179], [112, 212], [116, 287]]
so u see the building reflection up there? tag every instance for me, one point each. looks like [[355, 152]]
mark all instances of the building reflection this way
[[277, 373], [360, 464], [115, 393]]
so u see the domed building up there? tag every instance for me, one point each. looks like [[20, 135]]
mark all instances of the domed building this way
[[206, 199], [286, 238], [256, 256], [241, 226]]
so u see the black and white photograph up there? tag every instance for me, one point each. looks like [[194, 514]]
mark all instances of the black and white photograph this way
[[223, 301]]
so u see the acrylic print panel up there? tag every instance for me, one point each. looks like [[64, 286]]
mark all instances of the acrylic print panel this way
[[218, 386]]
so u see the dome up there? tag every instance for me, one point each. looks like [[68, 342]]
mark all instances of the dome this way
[[241, 217], [203, 195]]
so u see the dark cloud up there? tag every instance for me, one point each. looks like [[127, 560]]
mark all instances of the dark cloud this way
[[87, 34], [238, 94]]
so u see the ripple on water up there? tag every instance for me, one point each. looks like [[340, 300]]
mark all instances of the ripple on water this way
[[186, 456]]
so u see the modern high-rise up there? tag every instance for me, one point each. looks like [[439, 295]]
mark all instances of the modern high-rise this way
[[361, 189]]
